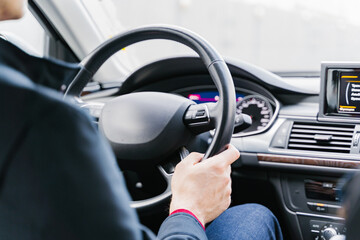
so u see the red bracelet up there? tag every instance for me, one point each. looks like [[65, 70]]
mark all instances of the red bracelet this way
[[188, 212]]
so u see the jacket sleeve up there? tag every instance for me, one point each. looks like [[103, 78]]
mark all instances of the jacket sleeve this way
[[181, 226]]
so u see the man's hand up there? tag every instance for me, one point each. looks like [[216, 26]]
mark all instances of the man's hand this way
[[204, 188]]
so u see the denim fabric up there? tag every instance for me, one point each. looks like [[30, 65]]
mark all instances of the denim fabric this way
[[245, 222]]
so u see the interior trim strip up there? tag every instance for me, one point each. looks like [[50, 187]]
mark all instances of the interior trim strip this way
[[319, 216], [296, 117], [326, 162]]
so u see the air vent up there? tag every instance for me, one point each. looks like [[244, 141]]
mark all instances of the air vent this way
[[321, 137]]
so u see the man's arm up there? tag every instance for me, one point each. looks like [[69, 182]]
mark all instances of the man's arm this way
[[201, 192]]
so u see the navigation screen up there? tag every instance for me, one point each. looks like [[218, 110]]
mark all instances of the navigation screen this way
[[349, 92]]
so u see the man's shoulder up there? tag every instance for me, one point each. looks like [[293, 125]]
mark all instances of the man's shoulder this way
[[29, 101], [25, 105]]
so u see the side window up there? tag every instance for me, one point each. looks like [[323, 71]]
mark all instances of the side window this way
[[27, 33]]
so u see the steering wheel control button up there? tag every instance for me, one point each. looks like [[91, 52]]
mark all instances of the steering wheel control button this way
[[200, 114], [189, 115], [197, 118], [139, 185]]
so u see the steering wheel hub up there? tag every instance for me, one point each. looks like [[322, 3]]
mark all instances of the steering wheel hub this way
[[140, 125]]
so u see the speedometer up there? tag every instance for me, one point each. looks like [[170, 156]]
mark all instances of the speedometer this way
[[258, 108]]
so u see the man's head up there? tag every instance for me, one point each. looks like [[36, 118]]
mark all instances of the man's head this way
[[12, 9]]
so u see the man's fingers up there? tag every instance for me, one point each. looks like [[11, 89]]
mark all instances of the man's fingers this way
[[228, 170], [193, 158], [227, 157], [230, 155]]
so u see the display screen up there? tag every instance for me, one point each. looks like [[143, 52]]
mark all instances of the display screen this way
[[349, 92], [209, 96]]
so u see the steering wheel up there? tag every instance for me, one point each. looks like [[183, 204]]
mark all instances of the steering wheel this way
[[145, 127]]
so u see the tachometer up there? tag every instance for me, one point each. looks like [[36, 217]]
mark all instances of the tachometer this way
[[258, 108]]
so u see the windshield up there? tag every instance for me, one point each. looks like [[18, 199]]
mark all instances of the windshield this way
[[289, 36]]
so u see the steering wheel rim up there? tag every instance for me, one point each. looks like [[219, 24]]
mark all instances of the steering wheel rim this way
[[223, 112]]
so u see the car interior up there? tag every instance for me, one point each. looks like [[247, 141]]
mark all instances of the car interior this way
[[298, 133]]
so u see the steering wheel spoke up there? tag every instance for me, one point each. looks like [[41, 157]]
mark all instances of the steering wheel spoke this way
[[141, 205], [166, 172]]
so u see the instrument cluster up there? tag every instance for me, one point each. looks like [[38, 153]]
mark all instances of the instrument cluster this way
[[258, 107]]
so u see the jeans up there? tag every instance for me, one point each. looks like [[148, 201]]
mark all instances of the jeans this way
[[245, 222]]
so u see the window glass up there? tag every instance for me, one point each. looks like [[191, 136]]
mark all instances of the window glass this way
[[278, 35]]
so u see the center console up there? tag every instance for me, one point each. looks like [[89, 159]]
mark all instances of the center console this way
[[311, 149], [316, 202]]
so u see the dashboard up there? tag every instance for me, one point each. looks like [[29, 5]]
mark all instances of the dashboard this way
[[301, 143]]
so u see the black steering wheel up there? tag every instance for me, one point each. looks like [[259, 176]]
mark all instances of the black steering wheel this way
[[145, 127]]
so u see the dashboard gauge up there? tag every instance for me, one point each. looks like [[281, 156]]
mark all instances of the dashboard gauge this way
[[258, 108]]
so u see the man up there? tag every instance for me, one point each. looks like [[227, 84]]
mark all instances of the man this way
[[59, 178]]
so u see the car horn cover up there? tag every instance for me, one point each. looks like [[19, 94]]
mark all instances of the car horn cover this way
[[146, 125]]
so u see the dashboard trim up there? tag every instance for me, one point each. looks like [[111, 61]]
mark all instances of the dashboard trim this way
[[320, 216], [323, 162], [296, 117]]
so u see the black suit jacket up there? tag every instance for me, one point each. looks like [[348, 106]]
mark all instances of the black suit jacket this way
[[58, 177]]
